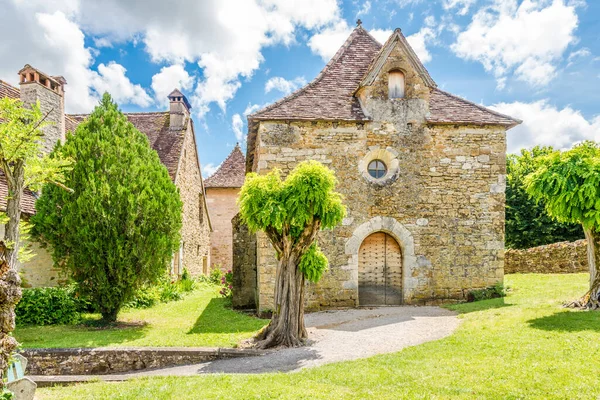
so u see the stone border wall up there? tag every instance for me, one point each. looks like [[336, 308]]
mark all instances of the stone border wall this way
[[104, 361], [556, 258]]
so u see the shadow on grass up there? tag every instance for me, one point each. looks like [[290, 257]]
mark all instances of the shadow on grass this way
[[482, 305], [568, 321], [217, 318]]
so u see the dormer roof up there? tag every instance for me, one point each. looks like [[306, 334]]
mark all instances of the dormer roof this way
[[397, 38]]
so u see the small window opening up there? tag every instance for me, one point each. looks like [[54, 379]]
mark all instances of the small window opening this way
[[396, 85], [377, 169]]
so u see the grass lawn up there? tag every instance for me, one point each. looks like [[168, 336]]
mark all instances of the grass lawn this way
[[523, 346], [200, 319]]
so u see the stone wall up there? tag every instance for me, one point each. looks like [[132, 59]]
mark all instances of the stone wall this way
[[104, 361], [195, 232], [556, 258], [222, 207], [244, 266], [39, 271]]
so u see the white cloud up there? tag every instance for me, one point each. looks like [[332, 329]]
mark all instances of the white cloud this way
[[462, 5], [527, 39], [581, 53], [170, 78], [418, 41], [209, 169], [237, 125], [545, 124], [224, 37], [382, 35], [55, 44], [283, 85], [111, 78]]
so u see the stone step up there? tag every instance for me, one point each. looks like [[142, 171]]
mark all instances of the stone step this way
[[63, 380]]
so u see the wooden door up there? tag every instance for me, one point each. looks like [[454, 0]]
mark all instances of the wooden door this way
[[379, 271]]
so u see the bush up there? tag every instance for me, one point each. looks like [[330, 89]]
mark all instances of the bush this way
[[163, 292], [492, 292], [216, 275], [227, 283], [50, 306]]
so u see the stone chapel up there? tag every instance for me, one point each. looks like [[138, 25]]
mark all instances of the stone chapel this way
[[422, 172]]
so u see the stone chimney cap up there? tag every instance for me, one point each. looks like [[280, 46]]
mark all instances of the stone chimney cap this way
[[56, 79], [176, 95]]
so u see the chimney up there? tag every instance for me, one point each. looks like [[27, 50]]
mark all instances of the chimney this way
[[49, 90], [179, 110]]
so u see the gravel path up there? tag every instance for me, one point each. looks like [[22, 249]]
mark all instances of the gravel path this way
[[339, 335]]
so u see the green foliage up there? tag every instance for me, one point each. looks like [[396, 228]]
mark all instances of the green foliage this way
[[6, 394], [289, 207], [117, 232], [492, 292], [216, 275], [227, 285], [568, 183], [165, 291], [527, 222], [50, 306], [313, 263]]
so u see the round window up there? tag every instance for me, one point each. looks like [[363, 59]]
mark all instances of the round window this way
[[377, 169]]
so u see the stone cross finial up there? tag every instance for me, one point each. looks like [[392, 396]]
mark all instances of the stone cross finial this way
[[358, 22]]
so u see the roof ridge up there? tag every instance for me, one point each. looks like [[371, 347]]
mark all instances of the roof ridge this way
[[321, 74], [483, 108], [125, 113], [10, 86]]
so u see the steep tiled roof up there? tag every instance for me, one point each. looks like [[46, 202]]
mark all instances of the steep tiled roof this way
[[231, 173], [445, 108], [27, 201], [330, 95], [155, 125], [7, 90]]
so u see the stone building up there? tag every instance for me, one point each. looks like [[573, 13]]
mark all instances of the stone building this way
[[170, 133], [222, 189], [422, 172]]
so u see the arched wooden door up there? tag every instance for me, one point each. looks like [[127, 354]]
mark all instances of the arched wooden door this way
[[379, 271]]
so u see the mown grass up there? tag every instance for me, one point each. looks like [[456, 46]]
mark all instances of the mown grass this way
[[201, 319], [523, 346]]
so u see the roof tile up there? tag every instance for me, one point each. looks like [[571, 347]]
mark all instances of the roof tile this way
[[231, 173]]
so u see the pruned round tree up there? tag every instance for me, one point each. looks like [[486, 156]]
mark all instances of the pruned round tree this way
[[568, 183], [291, 212], [120, 227]]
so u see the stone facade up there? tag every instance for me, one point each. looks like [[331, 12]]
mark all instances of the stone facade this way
[[555, 258], [244, 266], [222, 206], [442, 197], [195, 232]]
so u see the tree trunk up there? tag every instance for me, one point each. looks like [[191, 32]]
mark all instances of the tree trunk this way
[[591, 300], [287, 324], [10, 282]]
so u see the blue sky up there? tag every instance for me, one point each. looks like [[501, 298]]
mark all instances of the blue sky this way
[[537, 60]]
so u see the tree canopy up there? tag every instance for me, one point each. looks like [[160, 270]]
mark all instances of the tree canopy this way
[[527, 221], [120, 227], [568, 183], [291, 212]]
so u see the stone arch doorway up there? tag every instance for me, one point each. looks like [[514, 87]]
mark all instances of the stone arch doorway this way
[[379, 271]]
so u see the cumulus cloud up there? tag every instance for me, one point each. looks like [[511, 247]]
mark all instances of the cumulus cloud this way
[[382, 35], [111, 78], [527, 39], [545, 124], [169, 78], [283, 85], [46, 37], [224, 37], [238, 127], [419, 41]]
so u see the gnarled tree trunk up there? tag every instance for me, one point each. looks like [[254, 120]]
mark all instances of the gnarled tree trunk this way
[[591, 300], [10, 282], [287, 326]]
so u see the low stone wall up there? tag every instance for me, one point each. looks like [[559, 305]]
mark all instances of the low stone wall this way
[[556, 258], [104, 361]]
